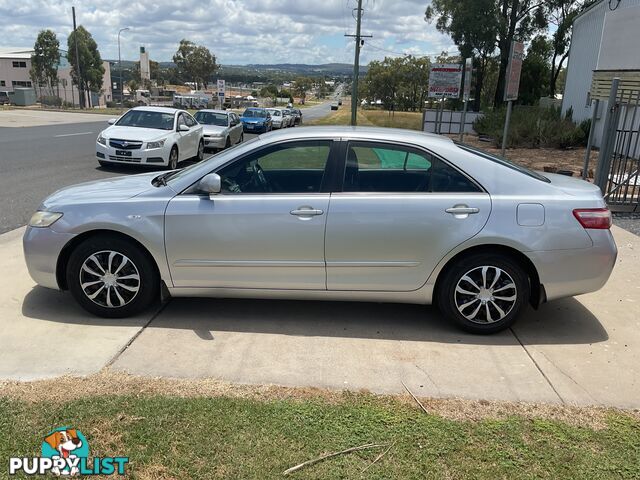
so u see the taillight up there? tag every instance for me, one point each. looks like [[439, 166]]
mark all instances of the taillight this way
[[597, 218]]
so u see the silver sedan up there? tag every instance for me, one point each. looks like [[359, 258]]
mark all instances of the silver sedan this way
[[331, 213]]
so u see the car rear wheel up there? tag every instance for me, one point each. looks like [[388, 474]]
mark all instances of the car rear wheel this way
[[112, 277], [241, 138], [173, 159], [484, 293]]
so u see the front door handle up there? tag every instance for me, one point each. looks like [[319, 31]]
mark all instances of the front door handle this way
[[306, 212]]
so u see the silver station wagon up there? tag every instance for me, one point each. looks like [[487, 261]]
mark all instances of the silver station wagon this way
[[334, 213]]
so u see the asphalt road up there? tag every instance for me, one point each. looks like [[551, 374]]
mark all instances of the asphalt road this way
[[37, 161]]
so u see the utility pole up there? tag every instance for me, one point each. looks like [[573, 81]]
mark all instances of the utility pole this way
[[356, 64], [120, 65], [78, 70]]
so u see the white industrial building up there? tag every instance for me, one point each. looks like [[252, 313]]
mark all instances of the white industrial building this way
[[15, 64], [605, 40]]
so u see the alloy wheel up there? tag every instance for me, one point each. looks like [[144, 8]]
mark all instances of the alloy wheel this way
[[485, 294], [109, 279]]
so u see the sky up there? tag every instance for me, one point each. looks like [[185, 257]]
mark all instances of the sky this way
[[236, 31]]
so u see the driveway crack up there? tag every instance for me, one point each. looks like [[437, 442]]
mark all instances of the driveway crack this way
[[136, 335], [544, 375]]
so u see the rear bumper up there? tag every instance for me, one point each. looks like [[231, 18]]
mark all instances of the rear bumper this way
[[42, 248], [565, 273]]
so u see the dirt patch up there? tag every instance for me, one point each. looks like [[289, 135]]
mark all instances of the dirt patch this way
[[538, 158], [65, 389]]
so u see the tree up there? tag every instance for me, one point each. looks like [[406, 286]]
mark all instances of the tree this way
[[301, 85], [534, 79], [91, 68], [473, 27], [517, 19], [45, 60], [195, 62], [562, 13]]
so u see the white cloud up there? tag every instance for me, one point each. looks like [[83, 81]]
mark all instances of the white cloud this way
[[236, 31]]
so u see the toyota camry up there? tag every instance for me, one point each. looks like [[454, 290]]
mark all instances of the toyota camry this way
[[333, 213]]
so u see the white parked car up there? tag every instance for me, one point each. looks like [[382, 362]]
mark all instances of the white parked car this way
[[156, 136], [290, 117], [278, 119], [221, 128]]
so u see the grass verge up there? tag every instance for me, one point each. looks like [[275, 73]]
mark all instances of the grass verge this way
[[207, 429]]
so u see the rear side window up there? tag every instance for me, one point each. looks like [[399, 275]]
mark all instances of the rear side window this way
[[372, 167], [503, 161]]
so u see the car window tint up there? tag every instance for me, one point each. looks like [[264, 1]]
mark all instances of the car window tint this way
[[181, 120], [289, 168], [373, 167]]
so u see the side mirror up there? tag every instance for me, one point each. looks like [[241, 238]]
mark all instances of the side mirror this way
[[183, 128], [111, 121], [211, 184]]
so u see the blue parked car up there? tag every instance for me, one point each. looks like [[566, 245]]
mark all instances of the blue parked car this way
[[256, 120]]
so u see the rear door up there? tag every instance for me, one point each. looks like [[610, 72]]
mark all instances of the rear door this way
[[401, 209]]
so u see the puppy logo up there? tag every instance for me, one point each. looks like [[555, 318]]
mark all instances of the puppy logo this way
[[68, 444]]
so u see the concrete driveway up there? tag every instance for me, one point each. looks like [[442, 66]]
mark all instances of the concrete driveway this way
[[583, 350]]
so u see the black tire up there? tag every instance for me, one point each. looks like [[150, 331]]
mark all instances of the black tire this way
[[200, 155], [492, 313], [103, 164], [227, 143], [139, 263], [241, 138], [173, 159]]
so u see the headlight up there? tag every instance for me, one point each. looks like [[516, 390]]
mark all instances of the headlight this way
[[102, 140], [158, 144], [44, 219]]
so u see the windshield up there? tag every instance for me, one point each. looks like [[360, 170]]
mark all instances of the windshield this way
[[146, 119], [275, 113], [210, 118], [254, 114], [503, 161]]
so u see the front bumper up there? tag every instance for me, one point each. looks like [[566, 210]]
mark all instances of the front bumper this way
[[154, 157], [254, 128], [42, 248], [214, 142], [565, 273]]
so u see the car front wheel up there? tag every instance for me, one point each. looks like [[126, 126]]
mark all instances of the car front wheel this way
[[484, 293], [200, 154], [173, 159], [112, 277]]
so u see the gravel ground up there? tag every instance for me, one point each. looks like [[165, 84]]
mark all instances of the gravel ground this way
[[628, 221]]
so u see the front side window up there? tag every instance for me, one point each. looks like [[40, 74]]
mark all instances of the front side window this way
[[191, 122], [181, 121], [372, 167], [296, 167]]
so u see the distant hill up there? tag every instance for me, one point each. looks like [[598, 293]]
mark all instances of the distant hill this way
[[293, 69]]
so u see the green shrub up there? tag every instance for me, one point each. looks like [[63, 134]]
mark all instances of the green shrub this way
[[50, 100], [533, 127]]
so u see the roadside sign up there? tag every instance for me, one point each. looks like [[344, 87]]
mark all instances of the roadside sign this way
[[444, 80], [516, 56], [468, 72], [221, 88]]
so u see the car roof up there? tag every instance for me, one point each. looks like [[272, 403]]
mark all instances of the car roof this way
[[159, 109], [214, 110], [368, 133]]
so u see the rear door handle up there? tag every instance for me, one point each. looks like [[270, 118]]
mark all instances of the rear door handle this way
[[306, 212], [462, 210]]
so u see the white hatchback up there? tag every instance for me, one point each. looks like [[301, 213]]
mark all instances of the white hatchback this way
[[155, 136]]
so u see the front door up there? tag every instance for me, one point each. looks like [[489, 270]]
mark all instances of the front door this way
[[264, 230], [401, 210]]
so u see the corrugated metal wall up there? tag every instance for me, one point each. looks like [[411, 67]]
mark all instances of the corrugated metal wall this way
[[583, 58]]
